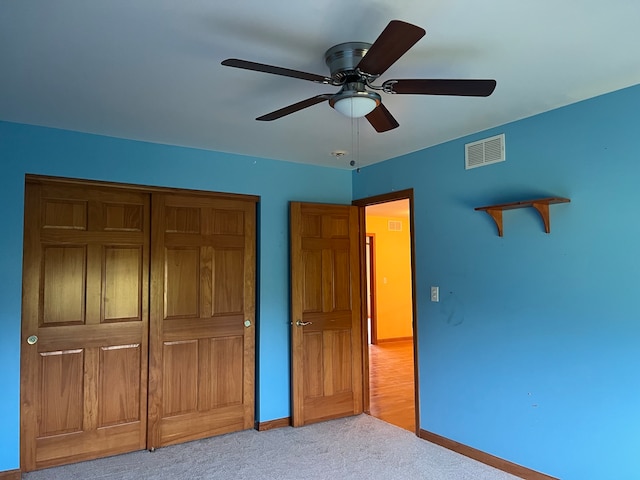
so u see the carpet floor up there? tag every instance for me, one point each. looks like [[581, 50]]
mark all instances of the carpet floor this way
[[360, 447]]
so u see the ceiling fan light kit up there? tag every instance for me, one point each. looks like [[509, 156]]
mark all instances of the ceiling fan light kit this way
[[355, 104], [355, 66]]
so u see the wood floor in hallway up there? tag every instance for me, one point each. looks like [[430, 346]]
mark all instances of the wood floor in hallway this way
[[391, 383]]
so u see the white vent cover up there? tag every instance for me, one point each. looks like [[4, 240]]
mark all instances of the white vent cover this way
[[484, 152], [395, 225]]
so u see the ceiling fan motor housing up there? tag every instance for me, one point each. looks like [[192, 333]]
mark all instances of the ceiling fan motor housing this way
[[342, 59]]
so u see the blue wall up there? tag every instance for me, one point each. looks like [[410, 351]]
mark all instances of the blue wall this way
[[533, 353], [26, 149]]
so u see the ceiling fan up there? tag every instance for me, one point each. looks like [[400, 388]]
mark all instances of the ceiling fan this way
[[354, 66]]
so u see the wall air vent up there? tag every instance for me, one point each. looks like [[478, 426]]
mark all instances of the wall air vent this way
[[395, 225], [484, 152]]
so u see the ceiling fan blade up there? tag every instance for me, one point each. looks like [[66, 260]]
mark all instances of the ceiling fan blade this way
[[285, 72], [381, 119], [393, 42], [309, 102], [468, 88]]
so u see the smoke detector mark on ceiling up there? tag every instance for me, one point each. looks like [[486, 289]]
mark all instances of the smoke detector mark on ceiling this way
[[484, 152]]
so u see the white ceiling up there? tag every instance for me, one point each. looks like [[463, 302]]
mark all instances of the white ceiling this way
[[150, 69]]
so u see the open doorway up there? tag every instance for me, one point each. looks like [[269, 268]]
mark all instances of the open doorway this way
[[390, 306]]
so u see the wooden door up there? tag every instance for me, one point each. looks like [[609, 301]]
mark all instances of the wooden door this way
[[326, 313], [202, 352], [84, 323]]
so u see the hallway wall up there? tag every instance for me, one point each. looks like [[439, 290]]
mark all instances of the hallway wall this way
[[394, 310]]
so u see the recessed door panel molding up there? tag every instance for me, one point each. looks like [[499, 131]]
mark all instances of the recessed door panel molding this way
[[336, 226], [61, 408], [182, 220], [58, 213], [180, 377], [313, 385], [311, 226], [64, 276], [223, 358], [119, 384], [312, 281], [339, 368], [228, 222], [182, 278], [122, 286], [341, 272], [228, 281], [123, 217]]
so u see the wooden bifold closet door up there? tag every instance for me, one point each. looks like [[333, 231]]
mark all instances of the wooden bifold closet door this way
[[114, 276]]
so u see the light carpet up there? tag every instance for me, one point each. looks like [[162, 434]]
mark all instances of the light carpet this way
[[360, 447]]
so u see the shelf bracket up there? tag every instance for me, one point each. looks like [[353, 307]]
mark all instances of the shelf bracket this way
[[540, 204], [496, 214], [543, 210]]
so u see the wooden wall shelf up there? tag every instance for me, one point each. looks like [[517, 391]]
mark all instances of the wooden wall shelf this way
[[540, 204]]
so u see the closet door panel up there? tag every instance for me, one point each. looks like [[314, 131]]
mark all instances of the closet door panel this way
[[202, 357], [84, 322]]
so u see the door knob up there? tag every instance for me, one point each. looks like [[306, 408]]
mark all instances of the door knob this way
[[300, 323], [32, 339], [247, 323]]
